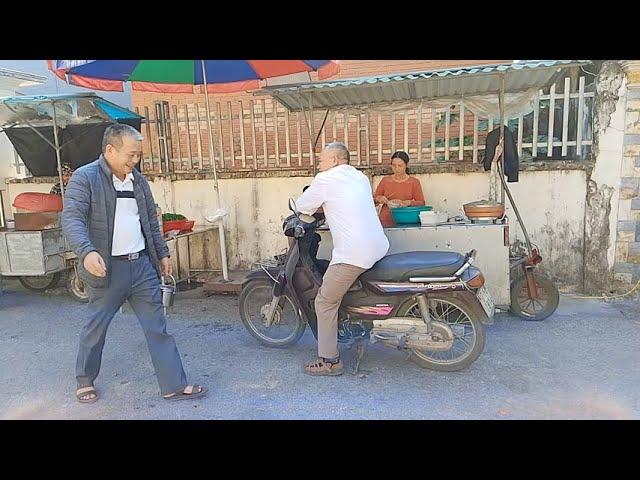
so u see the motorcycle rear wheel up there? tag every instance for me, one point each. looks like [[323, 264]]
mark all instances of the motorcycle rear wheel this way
[[463, 315]]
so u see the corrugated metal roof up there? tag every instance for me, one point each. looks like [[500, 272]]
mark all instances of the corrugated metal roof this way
[[30, 77], [458, 82], [77, 108]]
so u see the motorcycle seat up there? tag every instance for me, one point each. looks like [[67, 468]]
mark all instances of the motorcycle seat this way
[[400, 267]]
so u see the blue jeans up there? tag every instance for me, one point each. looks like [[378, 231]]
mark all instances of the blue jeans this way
[[138, 282]]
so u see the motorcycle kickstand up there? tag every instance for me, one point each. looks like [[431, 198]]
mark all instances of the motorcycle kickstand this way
[[361, 349]]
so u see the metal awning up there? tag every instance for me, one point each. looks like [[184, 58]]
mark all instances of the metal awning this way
[[77, 108], [415, 87], [32, 111]]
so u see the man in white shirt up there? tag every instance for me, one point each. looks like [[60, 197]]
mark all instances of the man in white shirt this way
[[110, 222], [345, 195]]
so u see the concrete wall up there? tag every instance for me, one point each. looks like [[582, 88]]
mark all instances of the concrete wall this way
[[552, 203]]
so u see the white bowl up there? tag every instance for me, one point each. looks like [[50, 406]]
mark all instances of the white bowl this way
[[430, 218]]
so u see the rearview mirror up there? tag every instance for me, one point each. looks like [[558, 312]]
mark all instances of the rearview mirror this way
[[302, 216]]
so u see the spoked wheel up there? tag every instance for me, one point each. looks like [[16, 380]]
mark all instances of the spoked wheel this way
[[254, 302], [463, 318], [535, 309], [40, 283]]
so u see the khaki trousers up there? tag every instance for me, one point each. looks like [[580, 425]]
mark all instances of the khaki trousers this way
[[335, 283]]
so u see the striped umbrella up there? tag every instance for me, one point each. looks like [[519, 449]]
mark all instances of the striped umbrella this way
[[180, 76]]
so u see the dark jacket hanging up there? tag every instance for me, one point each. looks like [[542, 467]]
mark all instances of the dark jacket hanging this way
[[511, 160]]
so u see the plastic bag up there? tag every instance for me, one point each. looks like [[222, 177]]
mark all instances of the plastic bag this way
[[216, 216]]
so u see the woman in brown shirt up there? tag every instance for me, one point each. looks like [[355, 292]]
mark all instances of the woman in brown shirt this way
[[398, 189]]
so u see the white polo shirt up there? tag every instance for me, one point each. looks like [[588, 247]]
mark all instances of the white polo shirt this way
[[127, 232], [344, 193]]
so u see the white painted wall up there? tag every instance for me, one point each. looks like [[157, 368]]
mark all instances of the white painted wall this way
[[552, 204]]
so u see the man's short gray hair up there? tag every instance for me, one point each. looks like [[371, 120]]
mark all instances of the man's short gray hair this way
[[341, 149], [114, 133]]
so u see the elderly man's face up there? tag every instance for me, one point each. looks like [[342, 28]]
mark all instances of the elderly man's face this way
[[124, 159], [328, 159]]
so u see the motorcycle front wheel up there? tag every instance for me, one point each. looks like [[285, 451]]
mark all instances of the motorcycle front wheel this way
[[287, 326], [463, 316]]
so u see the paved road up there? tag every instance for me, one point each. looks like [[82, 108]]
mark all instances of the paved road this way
[[580, 363]]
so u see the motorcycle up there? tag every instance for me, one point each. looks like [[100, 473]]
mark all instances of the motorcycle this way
[[429, 304]]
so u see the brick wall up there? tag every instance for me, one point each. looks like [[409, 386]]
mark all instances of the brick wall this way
[[349, 69]]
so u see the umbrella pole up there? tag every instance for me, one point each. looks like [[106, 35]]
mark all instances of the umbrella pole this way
[[223, 246], [57, 148]]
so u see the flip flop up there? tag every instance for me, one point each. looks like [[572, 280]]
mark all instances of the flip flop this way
[[190, 392]]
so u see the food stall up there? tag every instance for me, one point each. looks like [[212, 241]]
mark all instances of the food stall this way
[[491, 90], [48, 131]]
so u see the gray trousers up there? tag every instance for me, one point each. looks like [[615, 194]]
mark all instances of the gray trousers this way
[[138, 282]]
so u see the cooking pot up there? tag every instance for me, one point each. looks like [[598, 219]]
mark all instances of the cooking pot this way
[[483, 210]]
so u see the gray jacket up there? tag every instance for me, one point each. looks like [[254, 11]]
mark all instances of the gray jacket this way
[[89, 212]]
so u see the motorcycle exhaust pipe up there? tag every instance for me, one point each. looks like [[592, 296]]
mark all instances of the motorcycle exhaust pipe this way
[[411, 333]]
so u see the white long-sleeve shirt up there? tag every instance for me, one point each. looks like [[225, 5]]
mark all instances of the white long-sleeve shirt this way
[[344, 194]]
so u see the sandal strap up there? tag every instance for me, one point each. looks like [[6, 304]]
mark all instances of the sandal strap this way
[[83, 391], [319, 363], [188, 390]]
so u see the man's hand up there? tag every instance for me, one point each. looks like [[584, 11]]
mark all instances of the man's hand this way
[[94, 264], [165, 266], [405, 203]]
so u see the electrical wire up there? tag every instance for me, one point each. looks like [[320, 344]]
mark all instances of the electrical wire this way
[[605, 297]]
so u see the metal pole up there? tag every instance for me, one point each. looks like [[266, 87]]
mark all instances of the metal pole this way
[[321, 128], [501, 169], [312, 127], [57, 147], [308, 125], [515, 209], [223, 246]]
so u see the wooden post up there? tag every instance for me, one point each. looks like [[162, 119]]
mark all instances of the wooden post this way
[[189, 147], [243, 151]]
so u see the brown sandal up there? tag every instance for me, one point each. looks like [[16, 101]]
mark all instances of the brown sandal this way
[[320, 367], [85, 392]]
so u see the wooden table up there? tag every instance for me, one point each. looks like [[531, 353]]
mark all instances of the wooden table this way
[[195, 252]]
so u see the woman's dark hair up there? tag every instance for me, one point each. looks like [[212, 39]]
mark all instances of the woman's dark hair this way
[[404, 156]]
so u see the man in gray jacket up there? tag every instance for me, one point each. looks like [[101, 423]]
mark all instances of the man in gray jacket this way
[[110, 222]]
